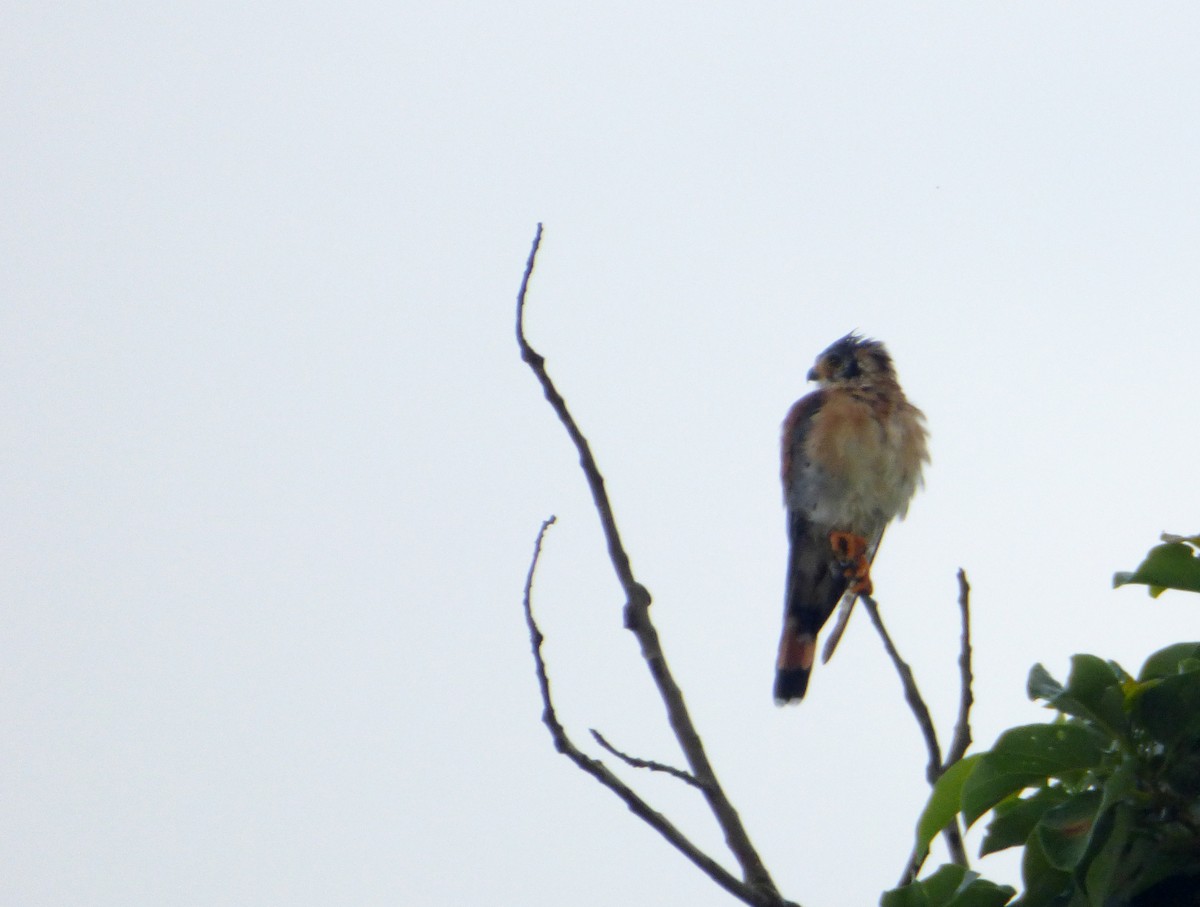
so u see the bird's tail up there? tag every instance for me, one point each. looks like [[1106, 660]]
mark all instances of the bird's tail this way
[[816, 581], [797, 649]]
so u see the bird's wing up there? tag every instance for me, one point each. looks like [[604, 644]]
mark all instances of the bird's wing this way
[[815, 581], [796, 426]]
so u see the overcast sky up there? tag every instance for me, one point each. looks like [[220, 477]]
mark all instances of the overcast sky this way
[[273, 469]]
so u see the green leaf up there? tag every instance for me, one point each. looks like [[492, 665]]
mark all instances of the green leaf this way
[[983, 893], [945, 801], [1065, 830], [1090, 677], [932, 891], [1014, 819], [1109, 864], [1170, 709], [1024, 757], [1141, 866], [1121, 784], [1166, 662], [1044, 885], [1153, 872], [1169, 566], [940, 886], [1193, 540], [910, 895], [949, 886], [1041, 685], [1093, 692]]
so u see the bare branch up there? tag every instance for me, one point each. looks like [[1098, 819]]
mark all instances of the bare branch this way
[[599, 771], [962, 729], [758, 886], [634, 591], [634, 761], [934, 769], [536, 639], [911, 693]]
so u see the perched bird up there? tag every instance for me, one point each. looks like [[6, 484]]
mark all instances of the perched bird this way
[[852, 456]]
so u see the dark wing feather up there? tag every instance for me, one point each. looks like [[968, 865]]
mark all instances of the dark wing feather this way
[[816, 582]]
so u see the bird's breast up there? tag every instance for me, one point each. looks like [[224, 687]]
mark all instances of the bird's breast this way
[[863, 463]]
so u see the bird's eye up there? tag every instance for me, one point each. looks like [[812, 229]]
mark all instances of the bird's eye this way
[[844, 366]]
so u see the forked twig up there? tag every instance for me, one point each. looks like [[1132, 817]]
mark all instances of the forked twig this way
[[756, 886], [597, 769], [911, 693], [962, 732], [635, 762]]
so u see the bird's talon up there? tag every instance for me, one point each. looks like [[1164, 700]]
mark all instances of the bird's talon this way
[[848, 547], [860, 585], [851, 551]]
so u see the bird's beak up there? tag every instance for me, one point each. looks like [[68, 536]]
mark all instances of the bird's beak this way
[[812, 374]]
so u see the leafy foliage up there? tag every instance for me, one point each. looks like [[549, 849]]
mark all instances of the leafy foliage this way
[[950, 886], [1105, 799], [1171, 565]]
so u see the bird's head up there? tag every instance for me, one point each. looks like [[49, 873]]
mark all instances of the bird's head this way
[[853, 359]]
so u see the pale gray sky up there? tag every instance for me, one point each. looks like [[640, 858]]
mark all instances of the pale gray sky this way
[[273, 469]]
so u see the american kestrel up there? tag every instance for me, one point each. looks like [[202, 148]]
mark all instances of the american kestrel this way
[[852, 456]]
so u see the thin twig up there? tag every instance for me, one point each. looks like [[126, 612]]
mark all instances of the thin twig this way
[[961, 741], [758, 888], [912, 694], [686, 777], [536, 361], [599, 771], [536, 639]]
